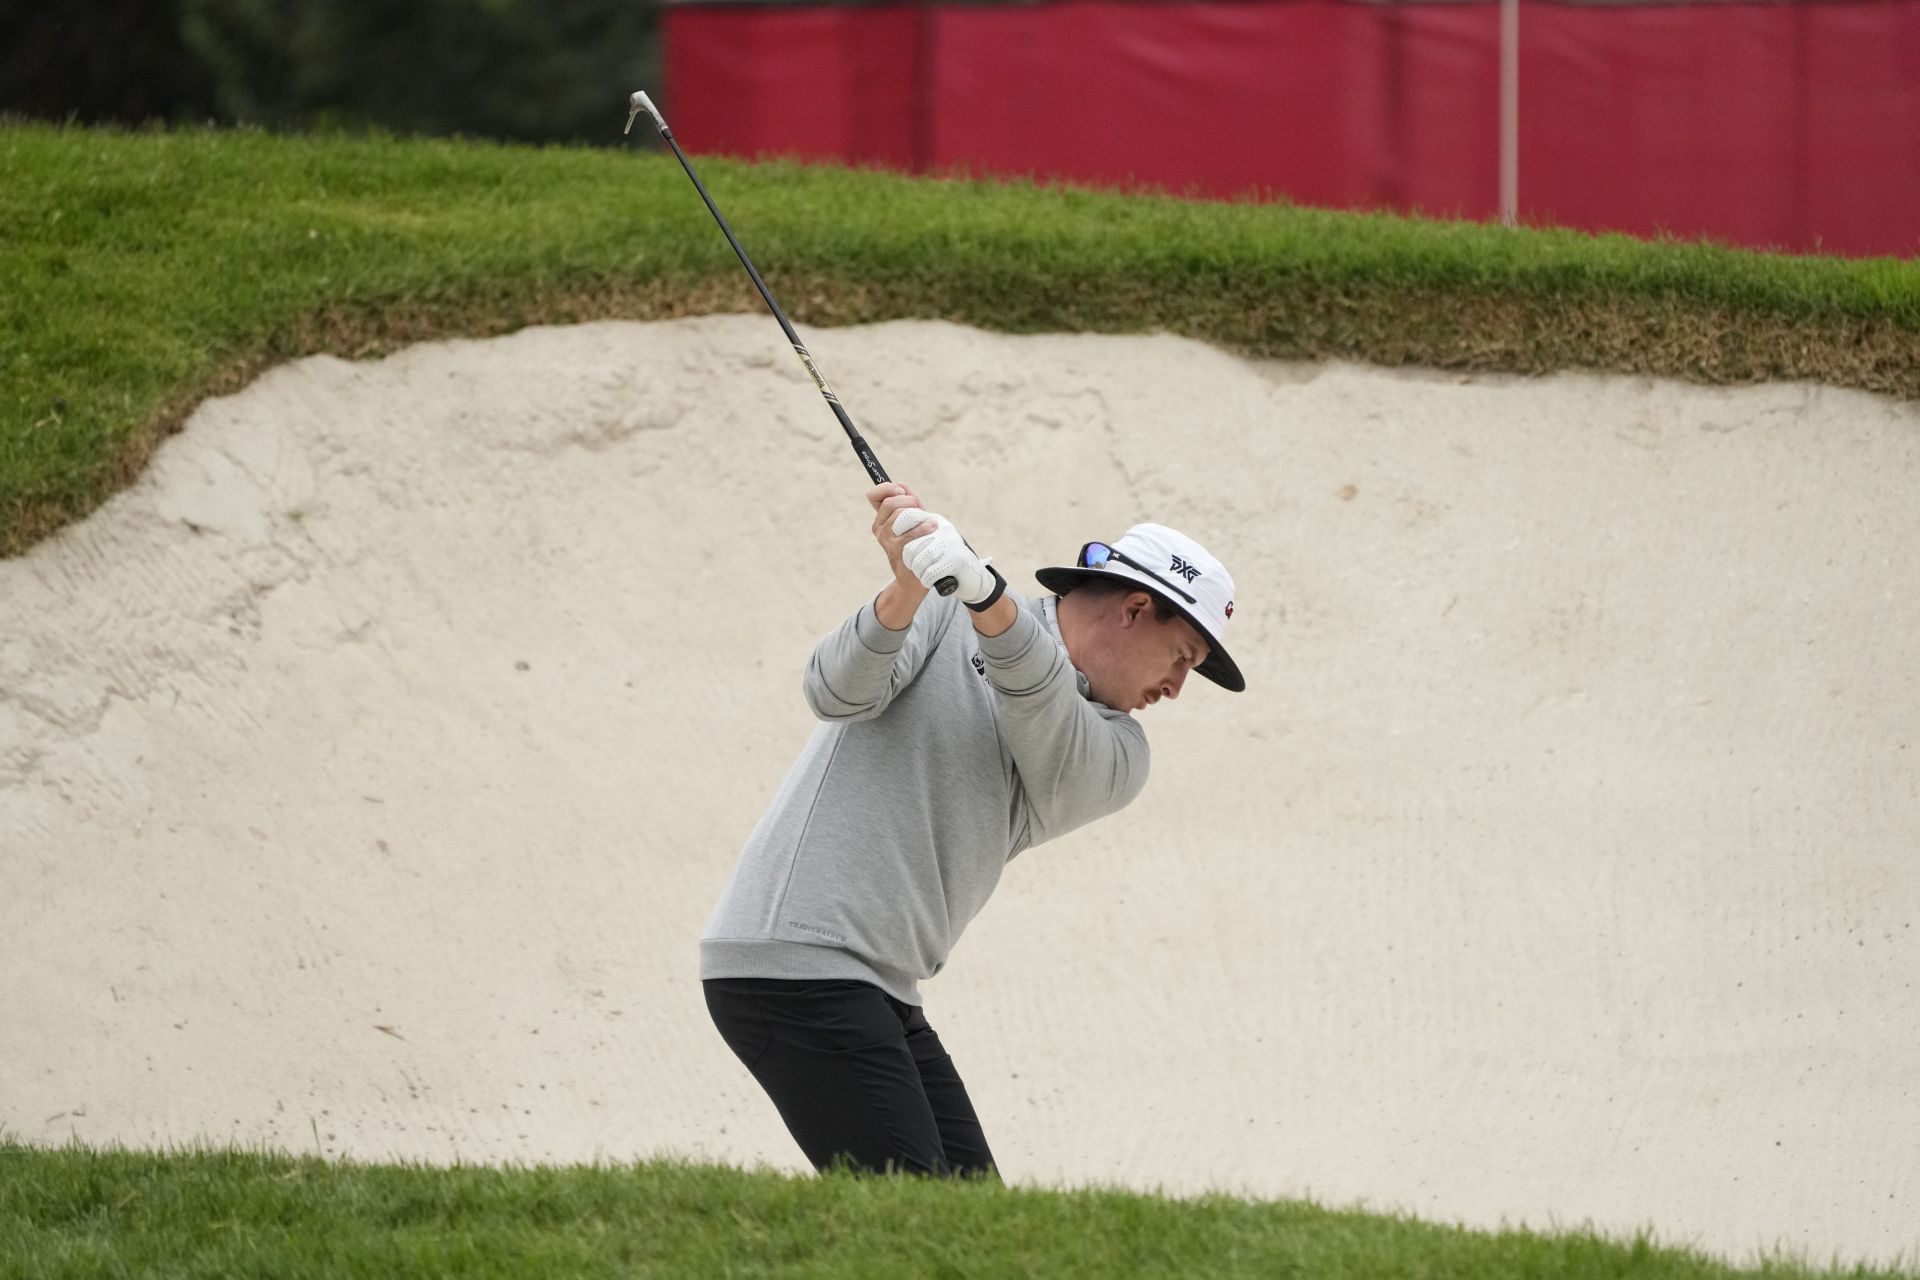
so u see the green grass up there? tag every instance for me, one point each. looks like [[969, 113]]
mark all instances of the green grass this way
[[75, 1211], [145, 270]]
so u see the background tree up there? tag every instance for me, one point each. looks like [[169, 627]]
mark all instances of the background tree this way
[[100, 60], [524, 70]]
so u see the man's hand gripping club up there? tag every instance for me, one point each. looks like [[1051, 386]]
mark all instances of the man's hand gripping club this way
[[923, 548]]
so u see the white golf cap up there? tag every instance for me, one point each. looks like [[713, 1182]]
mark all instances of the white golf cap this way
[[1174, 568]]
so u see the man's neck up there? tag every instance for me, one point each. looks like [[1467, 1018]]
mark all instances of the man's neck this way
[[1072, 626]]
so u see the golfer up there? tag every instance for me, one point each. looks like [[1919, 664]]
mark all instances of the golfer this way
[[957, 731]]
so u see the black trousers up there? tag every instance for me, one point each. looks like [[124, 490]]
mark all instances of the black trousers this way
[[858, 1077]]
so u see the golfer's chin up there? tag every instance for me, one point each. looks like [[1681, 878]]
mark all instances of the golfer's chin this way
[[1127, 702]]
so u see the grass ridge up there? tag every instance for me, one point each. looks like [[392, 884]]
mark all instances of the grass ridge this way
[[203, 1210]]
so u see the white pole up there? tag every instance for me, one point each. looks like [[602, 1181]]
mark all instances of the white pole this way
[[1510, 112]]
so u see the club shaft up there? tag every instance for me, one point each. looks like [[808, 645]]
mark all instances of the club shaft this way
[[946, 586], [860, 447]]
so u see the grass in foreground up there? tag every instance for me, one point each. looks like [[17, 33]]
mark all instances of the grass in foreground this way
[[147, 270], [75, 1211]]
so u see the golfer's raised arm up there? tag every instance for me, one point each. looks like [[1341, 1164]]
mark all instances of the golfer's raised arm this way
[[858, 667], [1076, 763]]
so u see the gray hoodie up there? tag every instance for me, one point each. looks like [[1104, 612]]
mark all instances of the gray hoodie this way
[[942, 754]]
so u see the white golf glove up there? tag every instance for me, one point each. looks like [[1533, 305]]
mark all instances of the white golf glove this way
[[945, 554]]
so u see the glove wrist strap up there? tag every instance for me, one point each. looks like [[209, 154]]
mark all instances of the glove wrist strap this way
[[993, 597]]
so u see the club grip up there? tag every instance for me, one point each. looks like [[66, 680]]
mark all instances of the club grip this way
[[947, 586]]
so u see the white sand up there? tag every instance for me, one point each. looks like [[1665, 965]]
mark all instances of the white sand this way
[[1559, 866]]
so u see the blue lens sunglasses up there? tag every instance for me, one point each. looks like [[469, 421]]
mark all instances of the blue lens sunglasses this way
[[1096, 554]]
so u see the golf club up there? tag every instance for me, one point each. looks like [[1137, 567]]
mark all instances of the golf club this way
[[640, 102]]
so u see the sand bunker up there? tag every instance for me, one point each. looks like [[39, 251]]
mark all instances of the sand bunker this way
[[368, 771]]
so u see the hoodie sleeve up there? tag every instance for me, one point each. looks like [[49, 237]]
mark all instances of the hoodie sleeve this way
[[1078, 761], [857, 668]]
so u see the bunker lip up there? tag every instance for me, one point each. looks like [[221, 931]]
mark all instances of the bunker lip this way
[[1553, 869]]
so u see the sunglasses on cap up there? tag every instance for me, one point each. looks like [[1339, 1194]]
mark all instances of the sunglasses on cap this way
[[1095, 555]]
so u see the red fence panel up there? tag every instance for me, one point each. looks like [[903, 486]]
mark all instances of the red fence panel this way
[[1767, 124], [822, 82], [1764, 124], [1218, 98], [1321, 102]]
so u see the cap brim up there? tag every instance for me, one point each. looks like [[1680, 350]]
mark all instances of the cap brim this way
[[1218, 667]]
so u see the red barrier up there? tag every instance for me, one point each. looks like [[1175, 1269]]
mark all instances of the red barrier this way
[[1773, 125], [822, 82], [1320, 102], [1789, 125]]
